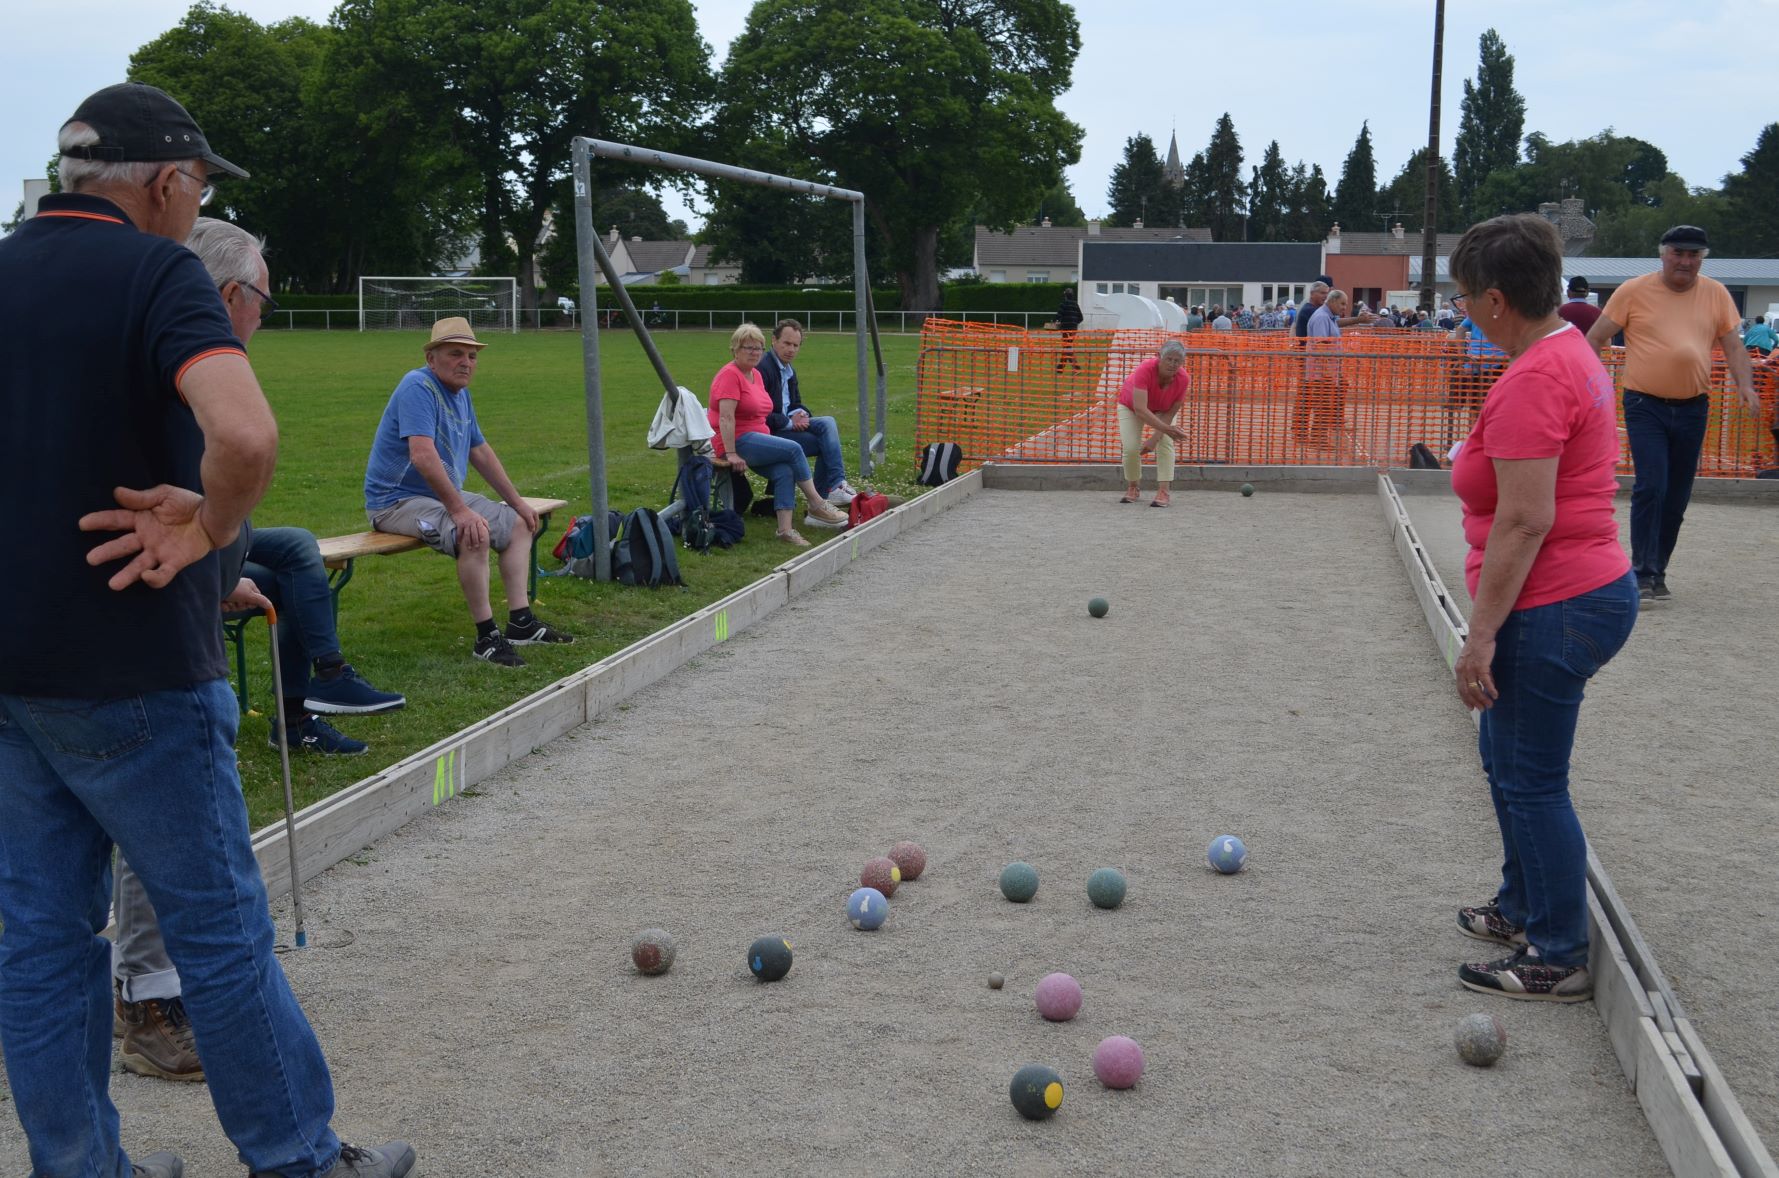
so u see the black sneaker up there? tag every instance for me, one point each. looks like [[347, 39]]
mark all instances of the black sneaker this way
[[1485, 923], [316, 735], [494, 648], [1645, 587], [392, 1159], [1659, 588], [349, 694], [539, 633], [1525, 976]]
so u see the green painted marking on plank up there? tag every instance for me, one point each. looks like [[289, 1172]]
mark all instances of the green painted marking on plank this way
[[722, 624], [855, 547], [444, 778]]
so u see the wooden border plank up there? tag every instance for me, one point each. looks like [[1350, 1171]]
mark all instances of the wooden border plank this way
[[1734, 1129], [1687, 1138]]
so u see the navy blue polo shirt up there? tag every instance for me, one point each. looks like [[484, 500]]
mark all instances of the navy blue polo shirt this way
[[105, 321]]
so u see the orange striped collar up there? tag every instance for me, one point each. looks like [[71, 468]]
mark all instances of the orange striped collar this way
[[85, 216]]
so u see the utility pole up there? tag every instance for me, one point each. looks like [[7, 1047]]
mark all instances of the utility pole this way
[[1430, 226]]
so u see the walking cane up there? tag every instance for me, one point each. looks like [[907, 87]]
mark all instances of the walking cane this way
[[296, 898]]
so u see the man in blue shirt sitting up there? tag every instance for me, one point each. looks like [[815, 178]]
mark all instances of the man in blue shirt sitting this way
[[413, 486]]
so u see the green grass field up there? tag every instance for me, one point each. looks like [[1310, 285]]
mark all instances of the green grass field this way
[[403, 623]]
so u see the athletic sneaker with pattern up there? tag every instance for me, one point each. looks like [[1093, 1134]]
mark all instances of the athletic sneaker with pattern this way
[[1485, 923], [1524, 976]]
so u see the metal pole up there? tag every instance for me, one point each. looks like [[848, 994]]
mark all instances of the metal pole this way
[[585, 243], [296, 890], [861, 298], [605, 149], [1430, 227]]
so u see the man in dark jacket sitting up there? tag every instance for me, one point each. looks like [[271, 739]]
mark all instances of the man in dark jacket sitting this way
[[819, 436]]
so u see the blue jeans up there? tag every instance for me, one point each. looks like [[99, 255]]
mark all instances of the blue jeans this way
[[155, 772], [779, 461], [1666, 437], [1544, 657], [286, 565], [821, 441]]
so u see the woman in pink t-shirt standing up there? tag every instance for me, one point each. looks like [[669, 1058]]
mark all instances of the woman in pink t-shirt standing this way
[[1554, 598], [1151, 399]]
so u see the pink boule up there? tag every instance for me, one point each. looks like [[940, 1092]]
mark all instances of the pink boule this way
[[881, 873], [1058, 997], [1118, 1061], [911, 858]]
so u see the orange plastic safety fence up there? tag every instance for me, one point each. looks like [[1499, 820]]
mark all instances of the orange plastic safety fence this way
[[1258, 398]]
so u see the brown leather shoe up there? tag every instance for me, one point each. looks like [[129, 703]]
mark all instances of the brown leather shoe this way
[[158, 1041]]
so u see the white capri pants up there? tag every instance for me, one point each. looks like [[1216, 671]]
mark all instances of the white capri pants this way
[[1130, 438]]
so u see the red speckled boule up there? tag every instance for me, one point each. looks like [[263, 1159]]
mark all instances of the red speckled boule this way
[[881, 873], [911, 858]]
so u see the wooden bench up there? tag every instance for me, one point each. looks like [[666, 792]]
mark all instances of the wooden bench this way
[[339, 554]]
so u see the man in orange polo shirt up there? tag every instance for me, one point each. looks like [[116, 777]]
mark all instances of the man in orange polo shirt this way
[[1670, 319]]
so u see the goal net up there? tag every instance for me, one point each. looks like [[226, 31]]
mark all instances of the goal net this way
[[417, 303]]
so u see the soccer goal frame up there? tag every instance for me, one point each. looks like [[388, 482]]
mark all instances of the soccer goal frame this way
[[593, 261], [420, 300]]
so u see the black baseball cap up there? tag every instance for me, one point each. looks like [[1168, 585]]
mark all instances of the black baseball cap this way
[[1686, 237], [1578, 285], [140, 123]]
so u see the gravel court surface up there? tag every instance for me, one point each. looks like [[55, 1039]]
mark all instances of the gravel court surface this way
[[1264, 671], [1673, 777]]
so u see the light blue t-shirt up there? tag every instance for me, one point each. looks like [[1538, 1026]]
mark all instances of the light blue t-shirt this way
[[1478, 347], [1760, 335], [419, 407]]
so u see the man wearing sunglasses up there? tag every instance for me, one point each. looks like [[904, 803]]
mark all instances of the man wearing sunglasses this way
[[132, 413]]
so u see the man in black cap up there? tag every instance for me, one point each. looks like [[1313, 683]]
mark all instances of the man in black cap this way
[[134, 414], [1576, 309], [1670, 319]]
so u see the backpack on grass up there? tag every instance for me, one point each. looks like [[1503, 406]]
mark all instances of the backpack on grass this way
[[577, 541], [692, 486], [938, 463], [643, 553], [865, 506]]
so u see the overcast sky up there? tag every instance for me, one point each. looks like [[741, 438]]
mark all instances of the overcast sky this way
[[1696, 79]]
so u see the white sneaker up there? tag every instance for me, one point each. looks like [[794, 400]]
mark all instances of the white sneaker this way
[[841, 495], [816, 521]]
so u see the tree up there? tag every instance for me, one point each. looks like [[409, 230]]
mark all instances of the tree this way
[[1309, 214], [1606, 172], [1407, 193], [1058, 204], [631, 209], [778, 238], [1269, 197], [1491, 120], [1139, 190], [1225, 192], [931, 108], [1195, 192], [1635, 230], [522, 78], [1355, 197], [1752, 197]]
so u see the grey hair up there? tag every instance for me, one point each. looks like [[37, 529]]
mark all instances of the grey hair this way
[[1338, 294], [1316, 286], [77, 175], [1670, 247], [229, 252], [1174, 347]]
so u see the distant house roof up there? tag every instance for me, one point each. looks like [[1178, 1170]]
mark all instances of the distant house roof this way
[[1612, 271], [652, 257], [1372, 244], [1225, 261], [1054, 245], [701, 259]]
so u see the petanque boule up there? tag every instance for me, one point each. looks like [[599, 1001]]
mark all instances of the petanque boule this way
[[1227, 854], [867, 909], [1106, 887], [1036, 1091], [1058, 997], [910, 859], [1247, 490], [881, 873], [1118, 1061], [1099, 607], [1019, 881], [769, 958], [1480, 1039], [653, 951]]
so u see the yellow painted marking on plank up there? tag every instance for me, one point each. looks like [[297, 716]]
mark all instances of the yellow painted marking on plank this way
[[722, 625], [446, 777]]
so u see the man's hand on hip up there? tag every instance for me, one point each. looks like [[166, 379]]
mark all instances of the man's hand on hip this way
[[163, 529]]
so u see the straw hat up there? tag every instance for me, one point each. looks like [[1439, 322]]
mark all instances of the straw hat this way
[[455, 330]]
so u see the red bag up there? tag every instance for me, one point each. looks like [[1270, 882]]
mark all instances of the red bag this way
[[866, 505]]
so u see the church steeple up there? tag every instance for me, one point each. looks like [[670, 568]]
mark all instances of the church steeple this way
[[1172, 172]]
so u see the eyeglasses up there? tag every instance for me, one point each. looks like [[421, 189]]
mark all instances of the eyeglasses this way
[[268, 306], [206, 190], [751, 348]]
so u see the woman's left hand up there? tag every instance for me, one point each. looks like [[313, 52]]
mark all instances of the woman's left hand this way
[[1149, 444], [1476, 681]]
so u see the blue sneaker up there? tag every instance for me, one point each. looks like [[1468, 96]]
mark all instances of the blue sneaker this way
[[315, 735], [349, 694]]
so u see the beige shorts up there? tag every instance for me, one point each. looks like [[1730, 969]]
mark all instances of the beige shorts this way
[[427, 520]]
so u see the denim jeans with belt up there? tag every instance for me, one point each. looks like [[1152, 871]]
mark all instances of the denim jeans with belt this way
[[1665, 437], [156, 773], [821, 441], [1544, 657], [286, 565]]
